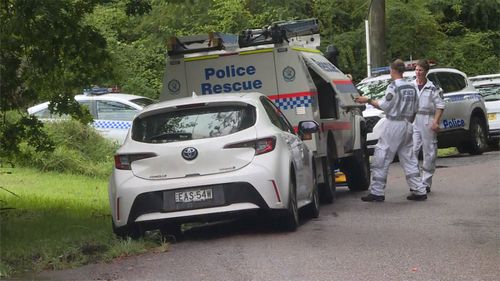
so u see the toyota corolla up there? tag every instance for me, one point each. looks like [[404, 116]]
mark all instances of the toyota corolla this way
[[208, 158]]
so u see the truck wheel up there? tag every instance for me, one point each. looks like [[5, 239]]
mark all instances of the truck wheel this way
[[357, 168], [477, 136], [327, 188]]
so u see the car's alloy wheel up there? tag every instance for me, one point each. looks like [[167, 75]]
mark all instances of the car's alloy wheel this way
[[478, 140]]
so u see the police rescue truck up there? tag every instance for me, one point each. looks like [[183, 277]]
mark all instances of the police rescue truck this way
[[283, 62]]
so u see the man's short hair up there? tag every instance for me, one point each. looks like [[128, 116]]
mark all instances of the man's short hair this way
[[424, 64], [398, 65]]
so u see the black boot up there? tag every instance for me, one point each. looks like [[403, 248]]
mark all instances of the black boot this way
[[415, 197], [373, 198]]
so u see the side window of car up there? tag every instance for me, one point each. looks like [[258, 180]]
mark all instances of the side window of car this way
[[448, 82], [433, 78], [460, 80], [87, 104], [112, 110], [272, 113]]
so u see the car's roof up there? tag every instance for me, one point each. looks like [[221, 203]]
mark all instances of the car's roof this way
[[482, 80], [485, 77], [112, 96], [411, 73], [226, 97]]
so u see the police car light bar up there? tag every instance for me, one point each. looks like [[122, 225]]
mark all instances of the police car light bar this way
[[409, 65], [100, 90], [279, 32]]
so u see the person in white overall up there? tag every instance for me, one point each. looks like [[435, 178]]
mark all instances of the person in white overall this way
[[426, 124], [400, 106]]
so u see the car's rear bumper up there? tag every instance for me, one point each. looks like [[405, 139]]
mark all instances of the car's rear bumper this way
[[251, 188], [238, 197]]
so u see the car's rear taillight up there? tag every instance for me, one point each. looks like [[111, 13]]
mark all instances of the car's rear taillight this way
[[123, 161], [261, 146]]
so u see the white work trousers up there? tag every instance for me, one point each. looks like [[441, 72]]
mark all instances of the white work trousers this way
[[396, 137], [426, 139]]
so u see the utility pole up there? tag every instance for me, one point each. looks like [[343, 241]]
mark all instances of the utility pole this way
[[377, 33]]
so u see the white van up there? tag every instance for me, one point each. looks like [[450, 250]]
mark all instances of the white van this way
[[283, 63]]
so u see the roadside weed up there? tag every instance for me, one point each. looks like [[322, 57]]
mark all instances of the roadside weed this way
[[57, 221]]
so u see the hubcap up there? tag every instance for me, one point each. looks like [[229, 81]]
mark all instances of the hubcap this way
[[479, 136]]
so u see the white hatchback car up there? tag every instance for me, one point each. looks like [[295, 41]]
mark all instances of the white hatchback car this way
[[463, 124], [207, 158], [489, 87], [112, 112]]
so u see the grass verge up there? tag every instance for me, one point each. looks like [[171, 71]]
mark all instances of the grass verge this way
[[55, 221], [443, 152]]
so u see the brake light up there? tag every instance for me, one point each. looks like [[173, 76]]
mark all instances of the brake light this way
[[123, 161], [261, 146]]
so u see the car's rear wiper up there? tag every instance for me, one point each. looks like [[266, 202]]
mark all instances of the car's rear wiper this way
[[171, 136]]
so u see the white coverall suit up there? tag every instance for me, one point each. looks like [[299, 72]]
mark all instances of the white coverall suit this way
[[424, 137], [400, 106]]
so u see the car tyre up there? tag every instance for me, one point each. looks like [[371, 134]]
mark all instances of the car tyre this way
[[313, 207], [477, 136], [357, 168], [132, 231], [328, 187], [291, 221]]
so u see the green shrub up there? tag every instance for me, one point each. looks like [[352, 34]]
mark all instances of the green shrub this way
[[79, 149]]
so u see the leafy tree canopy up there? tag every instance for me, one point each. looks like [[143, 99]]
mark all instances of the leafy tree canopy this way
[[50, 50]]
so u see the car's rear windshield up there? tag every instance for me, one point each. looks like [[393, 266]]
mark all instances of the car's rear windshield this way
[[193, 123], [490, 92], [142, 101]]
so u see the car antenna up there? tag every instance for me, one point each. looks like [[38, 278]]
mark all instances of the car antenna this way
[[194, 95]]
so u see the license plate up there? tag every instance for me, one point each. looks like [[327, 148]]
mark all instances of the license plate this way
[[492, 116], [198, 195]]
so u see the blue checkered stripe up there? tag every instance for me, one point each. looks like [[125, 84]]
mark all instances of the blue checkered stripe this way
[[106, 124], [291, 103]]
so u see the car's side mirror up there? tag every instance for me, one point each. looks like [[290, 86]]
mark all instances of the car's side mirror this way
[[307, 128]]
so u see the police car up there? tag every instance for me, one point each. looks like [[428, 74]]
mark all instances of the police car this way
[[463, 124], [489, 87], [113, 111]]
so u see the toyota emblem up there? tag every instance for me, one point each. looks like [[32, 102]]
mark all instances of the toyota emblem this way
[[189, 153]]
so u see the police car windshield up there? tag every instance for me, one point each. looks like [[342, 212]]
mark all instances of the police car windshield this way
[[142, 101], [193, 123]]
